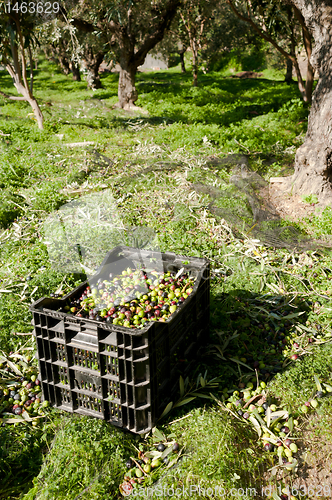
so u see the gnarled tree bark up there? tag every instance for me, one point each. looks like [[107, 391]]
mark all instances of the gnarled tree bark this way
[[92, 63], [313, 162]]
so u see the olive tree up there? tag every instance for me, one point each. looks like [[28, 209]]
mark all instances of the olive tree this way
[[175, 41], [284, 27], [196, 15], [74, 50], [16, 35], [132, 29]]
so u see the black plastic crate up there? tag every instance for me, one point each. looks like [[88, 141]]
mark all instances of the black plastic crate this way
[[125, 376]]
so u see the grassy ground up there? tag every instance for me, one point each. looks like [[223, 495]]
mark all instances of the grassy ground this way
[[265, 301]]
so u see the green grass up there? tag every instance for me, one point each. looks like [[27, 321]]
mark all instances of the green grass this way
[[165, 169], [86, 460]]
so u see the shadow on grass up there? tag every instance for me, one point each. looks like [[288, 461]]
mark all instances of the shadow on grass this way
[[261, 327], [249, 335]]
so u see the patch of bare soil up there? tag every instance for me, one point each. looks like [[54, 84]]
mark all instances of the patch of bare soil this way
[[292, 207], [315, 466], [288, 206], [247, 74], [313, 477]]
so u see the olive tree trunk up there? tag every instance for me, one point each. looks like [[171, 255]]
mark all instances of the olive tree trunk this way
[[64, 63], [183, 67], [23, 87], [74, 68], [132, 42], [289, 71], [193, 46], [92, 63], [313, 162], [127, 92]]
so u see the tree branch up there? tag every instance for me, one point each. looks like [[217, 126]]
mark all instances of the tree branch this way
[[307, 42], [262, 33], [12, 97], [307, 39], [24, 63], [31, 69], [16, 70], [293, 48], [151, 40], [10, 70]]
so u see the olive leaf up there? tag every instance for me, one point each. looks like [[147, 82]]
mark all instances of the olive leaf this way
[[15, 420], [290, 424], [280, 413], [268, 417], [201, 395], [184, 401], [271, 440], [318, 384], [179, 273], [166, 452], [13, 367], [167, 410], [259, 418], [293, 315], [158, 434], [256, 425], [153, 454], [241, 363]]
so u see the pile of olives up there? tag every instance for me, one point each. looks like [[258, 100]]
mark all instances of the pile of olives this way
[[146, 468], [276, 424], [20, 395], [133, 298]]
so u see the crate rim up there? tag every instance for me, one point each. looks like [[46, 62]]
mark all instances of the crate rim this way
[[122, 329]]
